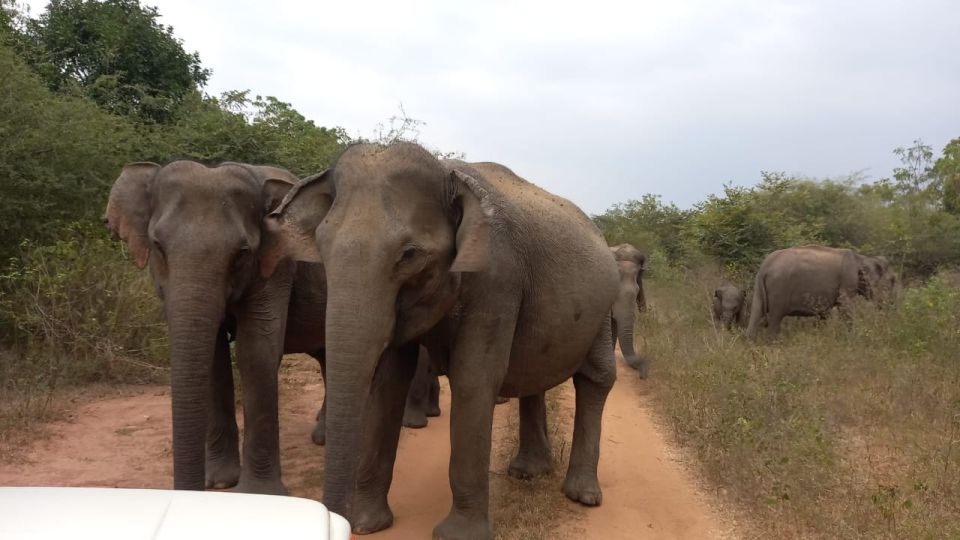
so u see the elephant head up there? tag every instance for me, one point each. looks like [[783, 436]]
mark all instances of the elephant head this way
[[876, 278], [729, 305], [394, 227], [198, 229], [626, 252]]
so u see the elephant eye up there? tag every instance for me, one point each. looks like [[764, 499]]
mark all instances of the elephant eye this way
[[408, 254]]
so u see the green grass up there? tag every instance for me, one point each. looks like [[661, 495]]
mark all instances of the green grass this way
[[837, 430]]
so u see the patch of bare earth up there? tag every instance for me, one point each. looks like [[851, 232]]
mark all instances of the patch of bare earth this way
[[124, 441]]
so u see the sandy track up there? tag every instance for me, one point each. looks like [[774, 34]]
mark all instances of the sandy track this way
[[124, 441]]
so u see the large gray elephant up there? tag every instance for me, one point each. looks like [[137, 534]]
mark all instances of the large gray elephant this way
[[513, 284], [729, 306], [812, 280], [630, 265], [199, 230]]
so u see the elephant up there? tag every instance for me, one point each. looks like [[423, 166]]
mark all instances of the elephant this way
[[624, 316], [198, 228], [626, 252], [811, 280], [513, 286], [729, 306]]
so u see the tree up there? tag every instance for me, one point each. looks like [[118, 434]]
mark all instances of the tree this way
[[118, 54], [947, 171]]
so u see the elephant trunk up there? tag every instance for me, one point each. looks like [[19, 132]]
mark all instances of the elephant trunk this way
[[360, 323], [193, 316], [641, 299]]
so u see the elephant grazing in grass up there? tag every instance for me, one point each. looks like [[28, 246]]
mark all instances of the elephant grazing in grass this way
[[729, 306], [811, 280], [512, 284], [630, 264]]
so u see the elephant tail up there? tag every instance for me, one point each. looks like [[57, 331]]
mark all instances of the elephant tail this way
[[758, 309]]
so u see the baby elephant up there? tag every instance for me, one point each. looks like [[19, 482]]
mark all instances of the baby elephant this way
[[729, 305]]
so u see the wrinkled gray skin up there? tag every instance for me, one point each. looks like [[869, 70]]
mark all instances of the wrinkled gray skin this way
[[199, 230], [630, 266], [730, 306], [511, 285], [811, 280]]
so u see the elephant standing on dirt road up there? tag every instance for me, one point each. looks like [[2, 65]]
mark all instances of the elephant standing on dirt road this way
[[199, 229], [626, 252], [512, 283], [811, 280], [630, 263], [729, 306]]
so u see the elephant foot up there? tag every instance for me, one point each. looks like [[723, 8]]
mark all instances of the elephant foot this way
[[319, 435], [262, 486], [457, 526], [414, 419], [222, 473], [433, 410], [501, 400], [372, 519], [525, 466], [583, 488]]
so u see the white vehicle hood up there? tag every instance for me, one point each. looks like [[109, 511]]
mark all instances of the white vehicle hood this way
[[29, 513]]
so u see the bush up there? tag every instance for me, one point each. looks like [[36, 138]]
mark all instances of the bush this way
[[76, 312]]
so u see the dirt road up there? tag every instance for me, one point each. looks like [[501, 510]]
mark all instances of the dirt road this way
[[124, 441]]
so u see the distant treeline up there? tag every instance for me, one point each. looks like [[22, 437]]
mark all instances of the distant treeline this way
[[912, 217], [88, 86]]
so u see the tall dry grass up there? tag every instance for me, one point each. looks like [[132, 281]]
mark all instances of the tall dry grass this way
[[842, 429]]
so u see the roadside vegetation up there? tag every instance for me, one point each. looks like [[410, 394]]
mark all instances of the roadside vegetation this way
[[840, 429]]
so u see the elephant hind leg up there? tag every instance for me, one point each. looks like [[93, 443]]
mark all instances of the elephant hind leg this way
[[592, 382], [319, 435], [533, 457]]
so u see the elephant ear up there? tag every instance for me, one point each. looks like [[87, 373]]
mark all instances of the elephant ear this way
[[473, 228], [128, 209], [290, 229], [273, 192]]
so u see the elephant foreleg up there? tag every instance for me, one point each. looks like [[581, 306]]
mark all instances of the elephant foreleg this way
[[223, 451], [592, 382], [381, 433], [260, 346], [533, 457]]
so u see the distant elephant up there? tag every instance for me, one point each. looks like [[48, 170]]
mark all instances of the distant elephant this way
[[515, 286], [624, 316], [811, 280], [729, 306], [199, 229], [626, 252]]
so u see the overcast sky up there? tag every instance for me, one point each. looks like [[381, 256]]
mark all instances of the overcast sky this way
[[603, 101]]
